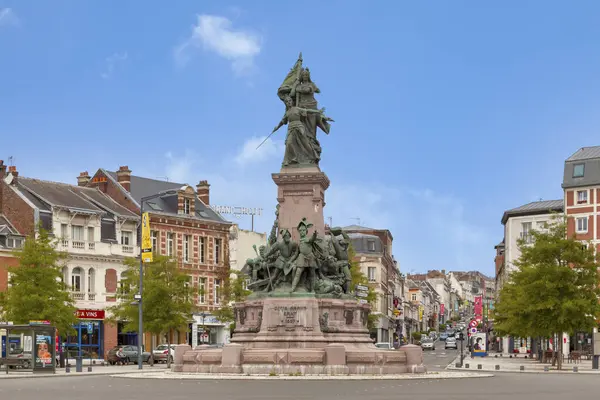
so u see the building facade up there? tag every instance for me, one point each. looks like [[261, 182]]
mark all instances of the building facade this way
[[96, 233], [10, 240], [518, 224], [185, 228], [373, 251]]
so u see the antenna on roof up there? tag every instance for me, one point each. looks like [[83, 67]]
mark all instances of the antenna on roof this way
[[10, 161]]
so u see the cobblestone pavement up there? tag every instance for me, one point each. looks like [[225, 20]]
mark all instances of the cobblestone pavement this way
[[501, 387]]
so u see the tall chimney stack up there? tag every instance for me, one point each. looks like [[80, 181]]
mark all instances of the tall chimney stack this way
[[13, 171], [203, 190], [124, 177], [83, 178]]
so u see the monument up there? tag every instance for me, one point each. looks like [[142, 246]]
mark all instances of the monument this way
[[302, 316]]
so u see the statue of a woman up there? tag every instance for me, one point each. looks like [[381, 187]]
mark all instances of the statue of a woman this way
[[300, 147]]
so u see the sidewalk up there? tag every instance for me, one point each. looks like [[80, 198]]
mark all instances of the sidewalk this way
[[507, 364], [96, 370]]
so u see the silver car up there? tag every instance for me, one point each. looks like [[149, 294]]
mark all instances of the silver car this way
[[451, 343], [428, 344]]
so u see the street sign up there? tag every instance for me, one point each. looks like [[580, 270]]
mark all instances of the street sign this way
[[362, 301], [361, 294], [473, 330], [362, 287], [473, 324], [90, 328]]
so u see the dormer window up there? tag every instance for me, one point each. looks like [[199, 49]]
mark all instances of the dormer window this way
[[578, 170], [186, 206]]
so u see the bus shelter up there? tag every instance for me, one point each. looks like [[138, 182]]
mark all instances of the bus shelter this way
[[30, 347]]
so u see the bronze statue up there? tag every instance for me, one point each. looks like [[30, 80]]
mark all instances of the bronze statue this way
[[305, 259]]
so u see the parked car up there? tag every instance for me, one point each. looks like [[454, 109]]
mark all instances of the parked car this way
[[126, 355], [163, 353], [451, 343], [428, 344]]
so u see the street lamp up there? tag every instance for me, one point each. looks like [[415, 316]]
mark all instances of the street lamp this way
[[138, 296]]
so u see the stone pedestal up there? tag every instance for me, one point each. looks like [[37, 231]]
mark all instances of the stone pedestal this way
[[301, 193]]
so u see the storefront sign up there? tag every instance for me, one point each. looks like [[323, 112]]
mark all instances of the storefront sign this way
[[90, 314]]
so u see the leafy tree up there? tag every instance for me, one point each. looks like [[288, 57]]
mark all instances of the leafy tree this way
[[359, 278], [37, 290], [554, 289], [233, 291], [167, 298]]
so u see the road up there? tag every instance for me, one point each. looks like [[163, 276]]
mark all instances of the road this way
[[501, 387], [438, 359]]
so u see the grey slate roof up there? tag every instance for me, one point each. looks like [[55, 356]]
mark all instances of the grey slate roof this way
[[590, 158], [585, 153], [143, 187], [534, 208], [46, 194]]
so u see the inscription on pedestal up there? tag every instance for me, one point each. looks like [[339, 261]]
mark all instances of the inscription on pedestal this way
[[296, 193], [289, 315]]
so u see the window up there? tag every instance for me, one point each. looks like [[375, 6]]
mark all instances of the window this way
[[541, 225], [91, 238], [217, 293], [582, 196], [413, 297], [187, 239], [186, 206], [582, 224], [201, 248], [154, 238], [526, 228], [202, 290], [76, 279], [91, 288], [578, 170], [371, 244], [371, 274], [170, 244], [126, 238], [64, 232], [77, 233], [217, 251]]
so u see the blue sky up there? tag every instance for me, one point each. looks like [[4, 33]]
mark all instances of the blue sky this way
[[447, 113]]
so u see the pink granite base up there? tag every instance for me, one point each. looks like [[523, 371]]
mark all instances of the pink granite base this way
[[303, 335]]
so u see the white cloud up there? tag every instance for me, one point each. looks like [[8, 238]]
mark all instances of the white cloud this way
[[249, 153], [430, 229], [112, 62], [217, 34], [8, 17]]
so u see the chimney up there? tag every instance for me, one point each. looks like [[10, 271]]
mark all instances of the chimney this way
[[2, 169], [83, 178], [13, 171], [124, 177], [203, 190]]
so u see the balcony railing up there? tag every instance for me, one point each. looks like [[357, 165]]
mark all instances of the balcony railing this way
[[127, 249], [92, 296], [78, 296], [78, 244], [91, 246]]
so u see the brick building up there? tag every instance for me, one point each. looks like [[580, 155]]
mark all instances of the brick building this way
[[581, 185], [95, 231], [184, 227]]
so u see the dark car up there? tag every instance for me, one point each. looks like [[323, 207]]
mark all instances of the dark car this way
[[126, 355]]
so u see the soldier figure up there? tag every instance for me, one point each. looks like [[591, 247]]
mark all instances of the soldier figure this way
[[305, 259]]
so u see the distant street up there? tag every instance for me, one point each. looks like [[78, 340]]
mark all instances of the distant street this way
[[501, 387], [438, 359]]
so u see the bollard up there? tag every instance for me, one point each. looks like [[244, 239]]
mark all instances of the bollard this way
[[497, 368], [546, 368], [89, 368], [479, 366], [67, 369], [522, 368], [575, 369], [78, 364], [467, 365]]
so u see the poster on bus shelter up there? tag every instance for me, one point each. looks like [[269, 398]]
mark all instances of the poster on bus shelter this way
[[44, 351], [479, 344]]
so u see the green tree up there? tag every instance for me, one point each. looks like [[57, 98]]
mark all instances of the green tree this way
[[37, 290], [359, 278], [233, 291], [554, 289], [167, 298]]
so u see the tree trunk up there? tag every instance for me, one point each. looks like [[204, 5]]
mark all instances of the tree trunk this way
[[560, 352], [169, 349]]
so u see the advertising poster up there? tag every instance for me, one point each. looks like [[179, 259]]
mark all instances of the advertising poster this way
[[478, 306], [43, 350], [480, 344], [146, 239]]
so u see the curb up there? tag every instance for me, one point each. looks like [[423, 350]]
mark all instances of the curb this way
[[194, 376], [71, 375], [452, 367]]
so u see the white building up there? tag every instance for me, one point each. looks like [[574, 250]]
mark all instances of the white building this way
[[518, 224], [241, 248], [98, 234]]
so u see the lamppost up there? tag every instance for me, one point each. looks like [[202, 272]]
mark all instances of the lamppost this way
[[138, 296]]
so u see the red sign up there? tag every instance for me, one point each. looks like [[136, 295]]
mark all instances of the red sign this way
[[442, 309], [90, 314], [478, 306]]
